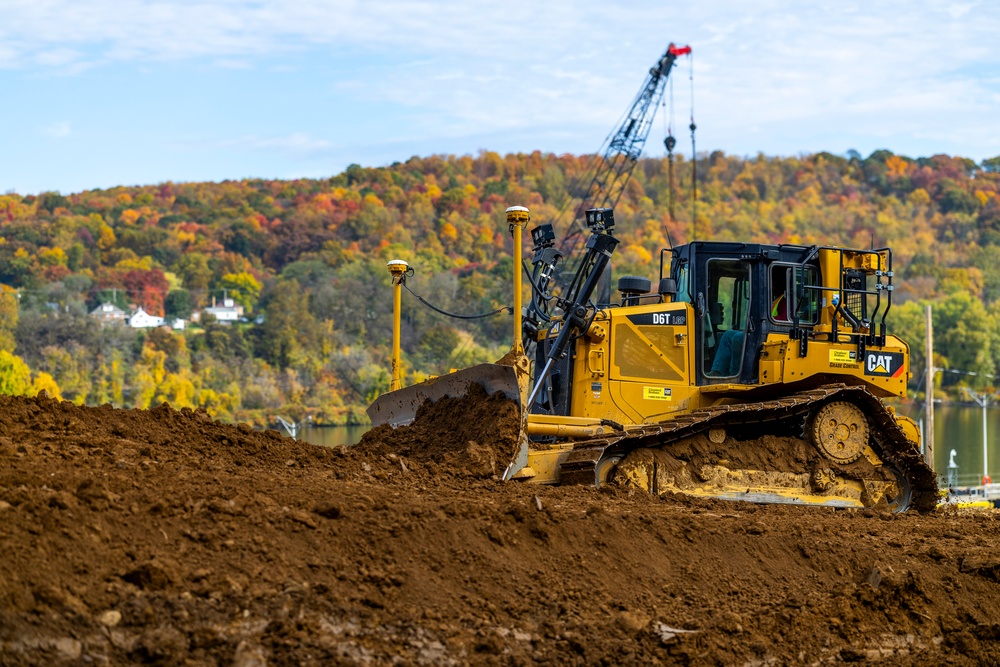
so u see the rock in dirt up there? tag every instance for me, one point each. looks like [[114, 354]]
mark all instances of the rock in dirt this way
[[68, 648], [110, 618], [249, 655]]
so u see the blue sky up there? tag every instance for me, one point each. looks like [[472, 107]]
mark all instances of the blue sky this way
[[98, 93]]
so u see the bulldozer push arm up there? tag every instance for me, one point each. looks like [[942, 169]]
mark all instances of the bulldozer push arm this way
[[576, 304], [399, 407]]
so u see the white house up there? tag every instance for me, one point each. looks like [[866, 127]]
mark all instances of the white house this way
[[177, 324], [140, 319], [109, 313], [229, 311]]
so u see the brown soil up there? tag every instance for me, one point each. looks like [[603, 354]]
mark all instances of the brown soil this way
[[475, 434], [165, 538], [767, 452]]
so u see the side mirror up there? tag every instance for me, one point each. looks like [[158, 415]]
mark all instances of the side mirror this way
[[668, 287], [632, 287]]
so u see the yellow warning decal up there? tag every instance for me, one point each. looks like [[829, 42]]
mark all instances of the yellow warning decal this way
[[843, 357], [657, 393]]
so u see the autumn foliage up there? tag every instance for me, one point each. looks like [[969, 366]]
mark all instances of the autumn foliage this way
[[308, 258]]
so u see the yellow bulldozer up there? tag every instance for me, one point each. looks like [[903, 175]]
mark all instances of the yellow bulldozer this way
[[752, 372]]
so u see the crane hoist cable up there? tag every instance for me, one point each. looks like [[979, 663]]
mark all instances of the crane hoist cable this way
[[670, 142], [694, 159]]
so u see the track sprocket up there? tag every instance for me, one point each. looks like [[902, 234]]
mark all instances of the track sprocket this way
[[839, 431]]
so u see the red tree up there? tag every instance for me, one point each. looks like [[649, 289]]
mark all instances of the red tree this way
[[147, 288]]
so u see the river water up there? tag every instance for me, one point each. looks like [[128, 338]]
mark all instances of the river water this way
[[333, 436], [960, 428], [956, 427]]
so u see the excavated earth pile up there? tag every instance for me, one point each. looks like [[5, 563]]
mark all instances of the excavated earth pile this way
[[473, 435], [162, 537]]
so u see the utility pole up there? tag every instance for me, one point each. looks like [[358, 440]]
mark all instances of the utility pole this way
[[929, 407], [983, 400]]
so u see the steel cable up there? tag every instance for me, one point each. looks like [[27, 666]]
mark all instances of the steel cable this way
[[456, 316]]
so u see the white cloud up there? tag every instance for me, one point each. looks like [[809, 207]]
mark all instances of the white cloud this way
[[59, 130], [175, 29], [768, 75], [232, 63], [57, 57]]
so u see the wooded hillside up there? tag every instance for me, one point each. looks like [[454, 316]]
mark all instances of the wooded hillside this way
[[309, 256]]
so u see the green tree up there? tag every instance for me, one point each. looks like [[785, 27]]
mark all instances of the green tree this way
[[194, 271], [243, 288], [437, 344], [290, 331], [178, 304], [15, 376], [8, 319], [962, 335], [909, 323]]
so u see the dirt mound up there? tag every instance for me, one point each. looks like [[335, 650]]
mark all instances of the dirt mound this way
[[475, 434], [131, 436], [162, 537]]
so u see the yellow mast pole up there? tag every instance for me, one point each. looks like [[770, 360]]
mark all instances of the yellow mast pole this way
[[517, 218], [398, 270], [929, 396]]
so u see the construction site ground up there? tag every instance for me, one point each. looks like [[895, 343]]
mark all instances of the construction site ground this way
[[163, 537]]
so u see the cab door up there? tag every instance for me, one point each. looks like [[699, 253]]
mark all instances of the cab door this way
[[723, 290]]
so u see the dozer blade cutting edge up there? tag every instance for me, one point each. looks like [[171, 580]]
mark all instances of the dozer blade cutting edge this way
[[399, 408]]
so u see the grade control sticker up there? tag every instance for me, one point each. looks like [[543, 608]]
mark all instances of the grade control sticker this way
[[843, 357], [657, 393]]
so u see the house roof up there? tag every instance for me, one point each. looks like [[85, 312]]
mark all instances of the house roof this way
[[107, 308]]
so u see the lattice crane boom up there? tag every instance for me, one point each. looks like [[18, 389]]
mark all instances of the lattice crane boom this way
[[617, 157], [605, 181]]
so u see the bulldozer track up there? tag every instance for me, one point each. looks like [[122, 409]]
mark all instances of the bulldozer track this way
[[891, 442]]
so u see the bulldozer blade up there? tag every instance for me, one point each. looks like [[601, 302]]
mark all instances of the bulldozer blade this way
[[399, 408]]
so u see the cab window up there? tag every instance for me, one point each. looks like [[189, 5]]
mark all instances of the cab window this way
[[791, 294], [683, 288]]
